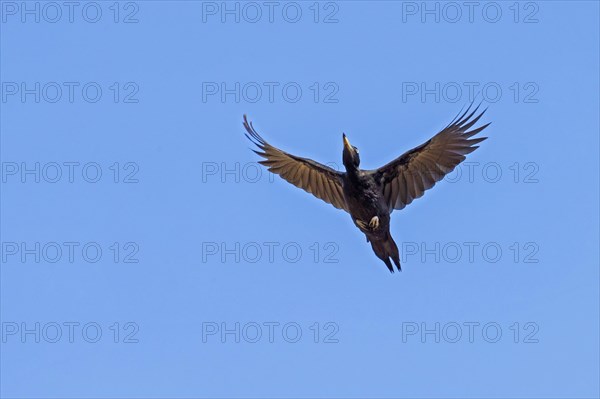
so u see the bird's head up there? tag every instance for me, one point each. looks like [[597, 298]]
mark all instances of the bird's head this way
[[350, 155]]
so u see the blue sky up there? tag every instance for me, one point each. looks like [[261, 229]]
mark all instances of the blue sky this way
[[144, 254]]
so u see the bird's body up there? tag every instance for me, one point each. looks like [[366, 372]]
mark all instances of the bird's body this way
[[370, 196], [365, 202], [364, 199]]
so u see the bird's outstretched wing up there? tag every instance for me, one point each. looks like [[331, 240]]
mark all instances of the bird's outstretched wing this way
[[408, 176], [321, 181]]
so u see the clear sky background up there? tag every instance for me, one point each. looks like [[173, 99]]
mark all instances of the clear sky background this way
[[516, 316]]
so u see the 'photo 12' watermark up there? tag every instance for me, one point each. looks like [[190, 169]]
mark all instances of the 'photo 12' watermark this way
[[271, 332], [454, 92], [470, 332], [270, 12], [269, 252], [455, 12], [289, 92], [479, 252], [70, 12], [69, 172], [71, 332], [69, 252], [71, 92]]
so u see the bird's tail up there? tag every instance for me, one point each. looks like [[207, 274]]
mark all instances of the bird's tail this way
[[385, 249]]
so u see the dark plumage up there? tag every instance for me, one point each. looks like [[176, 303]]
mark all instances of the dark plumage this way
[[370, 196]]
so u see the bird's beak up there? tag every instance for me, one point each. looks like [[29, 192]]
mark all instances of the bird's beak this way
[[347, 144]]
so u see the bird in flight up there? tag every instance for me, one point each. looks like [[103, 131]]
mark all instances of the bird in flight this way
[[370, 196]]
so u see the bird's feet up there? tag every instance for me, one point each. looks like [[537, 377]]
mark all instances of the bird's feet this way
[[361, 225], [372, 225]]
